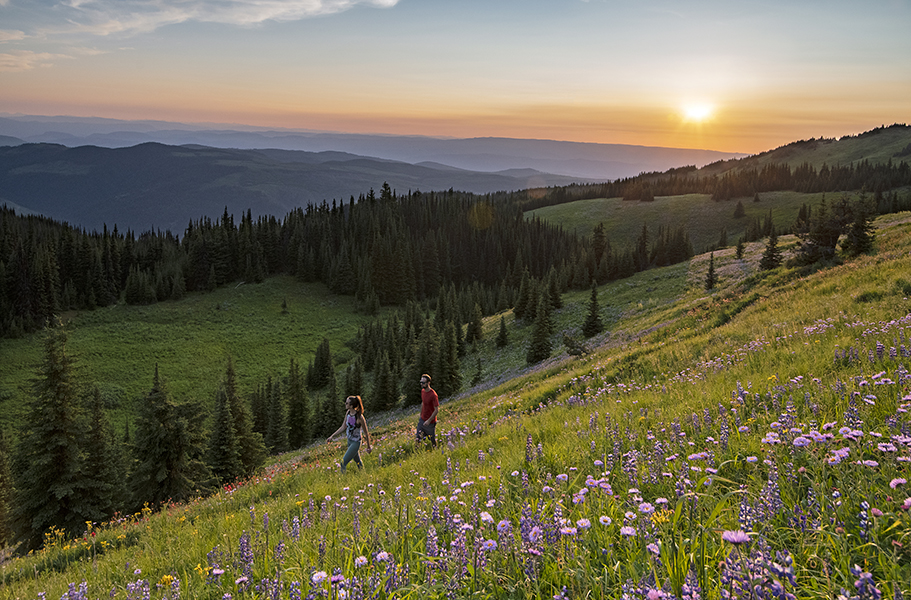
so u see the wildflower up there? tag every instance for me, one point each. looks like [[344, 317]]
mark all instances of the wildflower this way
[[801, 441], [382, 556], [569, 531], [752, 459], [654, 549], [735, 537], [319, 577], [547, 489], [583, 524], [485, 517], [897, 482], [627, 531], [605, 520], [534, 536], [360, 561], [504, 526], [646, 508], [488, 545], [562, 477]]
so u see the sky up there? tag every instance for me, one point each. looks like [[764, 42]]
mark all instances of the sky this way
[[729, 75]]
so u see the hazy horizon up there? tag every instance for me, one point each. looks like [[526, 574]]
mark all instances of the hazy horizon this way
[[744, 76]]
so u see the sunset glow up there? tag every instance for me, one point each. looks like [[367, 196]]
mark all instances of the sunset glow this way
[[579, 70]]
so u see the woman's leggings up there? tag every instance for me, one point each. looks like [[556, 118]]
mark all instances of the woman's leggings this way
[[353, 453]]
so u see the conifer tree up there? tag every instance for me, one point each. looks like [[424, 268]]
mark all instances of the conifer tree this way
[[771, 258], [169, 449], [252, 449], [385, 394], [448, 380], [276, 438], [710, 278], [503, 335], [103, 467], [50, 489], [475, 330], [300, 430], [553, 290], [354, 378], [540, 345], [6, 494], [424, 360], [224, 447], [593, 325], [740, 248]]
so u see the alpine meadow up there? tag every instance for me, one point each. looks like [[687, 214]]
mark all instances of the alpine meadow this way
[[679, 385]]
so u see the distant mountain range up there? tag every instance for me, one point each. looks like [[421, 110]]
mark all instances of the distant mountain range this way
[[144, 174], [600, 162]]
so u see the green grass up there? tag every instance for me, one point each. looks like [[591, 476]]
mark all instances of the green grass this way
[[667, 358], [702, 218], [190, 340]]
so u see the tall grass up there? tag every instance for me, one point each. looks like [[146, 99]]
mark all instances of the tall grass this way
[[767, 453]]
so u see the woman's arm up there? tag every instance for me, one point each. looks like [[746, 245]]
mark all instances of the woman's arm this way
[[337, 431], [366, 433]]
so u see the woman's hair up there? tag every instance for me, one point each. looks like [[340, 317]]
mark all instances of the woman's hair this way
[[358, 404]]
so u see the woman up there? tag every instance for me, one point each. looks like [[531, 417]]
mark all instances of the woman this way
[[356, 426]]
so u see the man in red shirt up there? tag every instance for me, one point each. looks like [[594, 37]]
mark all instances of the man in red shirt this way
[[430, 406]]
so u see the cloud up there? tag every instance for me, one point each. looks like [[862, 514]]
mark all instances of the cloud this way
[[25, 60], [10, 35], [110, 17]]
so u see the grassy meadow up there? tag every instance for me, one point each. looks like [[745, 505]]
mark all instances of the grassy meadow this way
[[191, 340], [702, 218], [751, 441]]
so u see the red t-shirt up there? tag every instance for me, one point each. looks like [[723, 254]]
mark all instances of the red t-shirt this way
[[429, 401]]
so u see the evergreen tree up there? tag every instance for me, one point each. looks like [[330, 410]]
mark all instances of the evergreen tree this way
[[276, 438], [739, 211], [252, 449], [224, 447], [424, 360], [475, 330], [448, 380], [710, 278], [168, 450], [7, 493], [299, 419], [103, 467], [322, 369], [740, 249], [354, 379], [503, 335], [50, 488], [540, 345], [859, 233], [593, 325], [385, 394], [771, 258]]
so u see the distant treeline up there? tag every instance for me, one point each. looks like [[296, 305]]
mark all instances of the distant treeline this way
[[738, 182], [384, 249]]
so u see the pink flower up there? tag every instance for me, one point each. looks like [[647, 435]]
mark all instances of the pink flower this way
[[897, 482]]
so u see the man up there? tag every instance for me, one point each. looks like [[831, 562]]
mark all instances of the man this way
[[430, 406]]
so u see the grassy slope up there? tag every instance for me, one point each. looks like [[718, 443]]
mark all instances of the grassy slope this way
[[190, 340], [663, 323], [702, 218]]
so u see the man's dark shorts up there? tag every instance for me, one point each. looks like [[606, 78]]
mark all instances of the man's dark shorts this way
[[428, 431]]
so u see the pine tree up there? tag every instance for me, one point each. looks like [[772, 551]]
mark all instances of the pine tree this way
[[300, 430], [449, 372], [710, 278], [771, 258], [50, 490], [276, 437], [6, 494], [169, 448], [593, 324], [503, 335], [384, 395], [475, 330], [740, 248], [424, 360], [540, 345], [103, 466], [224, 447], [252, 449]]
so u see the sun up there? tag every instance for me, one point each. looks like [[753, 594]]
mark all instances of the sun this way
[[697, 112]]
